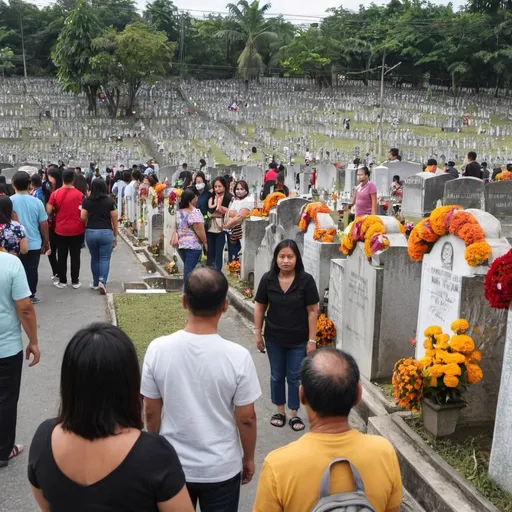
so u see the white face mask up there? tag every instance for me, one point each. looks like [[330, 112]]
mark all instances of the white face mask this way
[[199, 186]]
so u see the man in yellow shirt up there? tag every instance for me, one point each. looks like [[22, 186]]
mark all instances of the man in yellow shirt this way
[[290, 476]]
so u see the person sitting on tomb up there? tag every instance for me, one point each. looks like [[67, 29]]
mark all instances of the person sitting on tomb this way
[[451, 170], [396, 188], [279, 185], [431, 165], [291, 476]]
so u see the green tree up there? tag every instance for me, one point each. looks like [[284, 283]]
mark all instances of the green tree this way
[[74, 51], [116, 13], [164, 16], [253, 31], [124, 61]]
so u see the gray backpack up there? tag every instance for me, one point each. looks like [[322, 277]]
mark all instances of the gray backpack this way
[[355, 501]]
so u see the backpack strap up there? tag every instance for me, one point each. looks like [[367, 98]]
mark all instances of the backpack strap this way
[[325, 485]]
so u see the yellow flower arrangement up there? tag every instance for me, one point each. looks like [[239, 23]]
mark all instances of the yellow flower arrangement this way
[[449, 364], [504, 175], [459, 326], [271, 202], [310, 214], [449, 219], [255, 212], [325, 331], [408, 383]]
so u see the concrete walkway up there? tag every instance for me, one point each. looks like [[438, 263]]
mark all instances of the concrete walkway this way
[[60, 315]]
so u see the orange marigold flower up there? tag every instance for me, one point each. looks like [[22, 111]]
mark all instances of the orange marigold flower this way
[[438, 219], [452, 369], [454, 357], [436, 370], [433, 330], [442, 340], [460, 219], [428, 343], [476, 355], [450, 381], [459, 326], [416, 247], [424, 230], [474, 373], [462, 343], [475, 254], [471, 233]]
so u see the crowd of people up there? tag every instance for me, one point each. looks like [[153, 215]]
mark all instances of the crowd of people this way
[[192, 438]]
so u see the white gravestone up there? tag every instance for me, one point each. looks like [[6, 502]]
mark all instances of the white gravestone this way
[[336, 296]]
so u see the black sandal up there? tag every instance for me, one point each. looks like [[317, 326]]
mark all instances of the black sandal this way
[[297, 424], [281, 418]]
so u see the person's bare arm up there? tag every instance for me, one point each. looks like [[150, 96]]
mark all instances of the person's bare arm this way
[[153, 413], [179, 503], [374, 203], [24, 245], [245, 417], [84, 215], [114, 218], [27, 315], [49, 209], [44, 506], [312, 321], [354, 197], [200, 232], [259, 314], [43, 228], [237, 219]]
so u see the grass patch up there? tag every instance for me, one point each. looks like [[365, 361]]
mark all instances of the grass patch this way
[[387, 389], [239, 284], [469, 456], [144, 317]]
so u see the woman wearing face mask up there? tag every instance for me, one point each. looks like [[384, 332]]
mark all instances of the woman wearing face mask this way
[[239, 209], [218, 205], [203, 194]]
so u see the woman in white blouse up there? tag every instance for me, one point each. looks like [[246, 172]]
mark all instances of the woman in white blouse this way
[[239, 209]]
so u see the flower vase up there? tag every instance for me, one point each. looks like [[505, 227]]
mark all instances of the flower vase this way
[[440, 419]]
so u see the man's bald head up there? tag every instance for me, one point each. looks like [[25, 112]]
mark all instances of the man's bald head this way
[[205, 291], [330, 380]]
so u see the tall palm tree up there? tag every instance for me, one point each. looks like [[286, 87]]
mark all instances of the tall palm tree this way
[[250, 28]]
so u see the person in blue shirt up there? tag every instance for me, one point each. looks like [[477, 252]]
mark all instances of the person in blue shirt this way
[[32, 216], [36, 184], [16, 309]]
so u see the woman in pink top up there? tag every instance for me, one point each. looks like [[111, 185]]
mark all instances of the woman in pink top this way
[[365, 197]]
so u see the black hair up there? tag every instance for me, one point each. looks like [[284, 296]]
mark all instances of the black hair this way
[[273, 165], [472, 155], [200, 174], [136, 175], [56, 175], [394, 152], [98, 189], [281, 168], [68, 176], [243, 184], [100, 357], [365, 169], [280, 177], [81, 183], [396, 178], [484, 164], [205, 291], [127, 176], [5, 209], [135, 167], [222, 181], [35, 180], [291, 244], [186, 176], [21, 180], [187, 196], [451, 164], [117, 176], [330, 393], [153, 180], [2, 179], [79, 169], [4, 189], [202, 161], [431, 161]]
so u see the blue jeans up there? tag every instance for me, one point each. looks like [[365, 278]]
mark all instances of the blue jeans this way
[[215, 253], [99, 242], [216, 497], [190, 257], [285, 363], [233, 249]]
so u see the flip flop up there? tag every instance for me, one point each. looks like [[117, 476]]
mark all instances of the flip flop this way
[[296, 424], [17, 449], [278, 417]]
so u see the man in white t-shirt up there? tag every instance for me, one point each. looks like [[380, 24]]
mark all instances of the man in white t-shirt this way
[[199, 392]]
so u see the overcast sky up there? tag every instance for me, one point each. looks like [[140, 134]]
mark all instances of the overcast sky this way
[[298, 9]]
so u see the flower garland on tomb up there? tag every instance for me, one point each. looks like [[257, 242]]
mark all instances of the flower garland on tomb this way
[[325, 331], [310, 214], [498, 282], [446, 220], [271, 202], [504, 176], [369, 229]]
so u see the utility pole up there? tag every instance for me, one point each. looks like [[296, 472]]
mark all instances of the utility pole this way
[[23, 40], [382, 75], [182, 43]]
